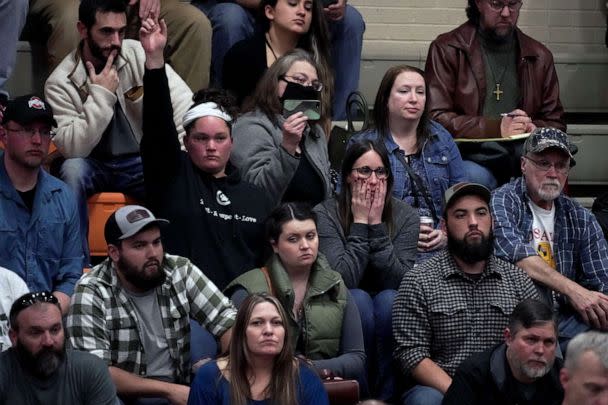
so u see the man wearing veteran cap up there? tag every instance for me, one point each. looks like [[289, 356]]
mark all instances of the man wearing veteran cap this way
[[217, 219], [39, 226], [552, 237], [456, 303], [134, 309]]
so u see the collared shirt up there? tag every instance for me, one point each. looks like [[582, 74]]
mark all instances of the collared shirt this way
[[42, 246], [442, 314], [103, 321], [579, 246]]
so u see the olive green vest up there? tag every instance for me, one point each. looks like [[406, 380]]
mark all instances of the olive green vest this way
[[323, 306]]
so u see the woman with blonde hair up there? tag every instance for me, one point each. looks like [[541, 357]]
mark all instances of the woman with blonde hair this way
[[261, 368]]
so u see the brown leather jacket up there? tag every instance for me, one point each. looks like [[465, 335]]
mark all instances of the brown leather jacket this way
[[457, 85]]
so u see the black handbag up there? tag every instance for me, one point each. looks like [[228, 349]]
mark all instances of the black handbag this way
[[356, 106]]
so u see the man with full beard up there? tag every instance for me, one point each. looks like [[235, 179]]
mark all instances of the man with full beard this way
[[456, 303], [39, 370], [97, 95], [553, 238], [522, 370], [487, 79], [134, 310]]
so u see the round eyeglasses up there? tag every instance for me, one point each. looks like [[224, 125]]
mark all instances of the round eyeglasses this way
[[366, 172], [499, 5], [303, 81]]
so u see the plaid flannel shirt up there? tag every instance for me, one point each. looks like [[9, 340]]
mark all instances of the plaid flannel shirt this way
[[103, 321], [442, 314], [578, 242]]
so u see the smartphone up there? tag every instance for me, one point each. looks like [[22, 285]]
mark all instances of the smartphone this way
[[310, 108], [327, 3]]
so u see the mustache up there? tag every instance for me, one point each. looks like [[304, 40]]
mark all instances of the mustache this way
[[550, 183], [152, 262]]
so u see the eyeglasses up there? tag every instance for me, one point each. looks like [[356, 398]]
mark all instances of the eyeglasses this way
[[315, 84], [32, 298], [30, 132], [561, 167], [499, 5], [366, 172]]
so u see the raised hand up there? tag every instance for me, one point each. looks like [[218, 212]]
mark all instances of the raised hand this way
[[293, 128], [108, 77], [153, 38], [147, 8]]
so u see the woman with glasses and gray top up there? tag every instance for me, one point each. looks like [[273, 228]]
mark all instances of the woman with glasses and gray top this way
[[370, 238], [285, 153]]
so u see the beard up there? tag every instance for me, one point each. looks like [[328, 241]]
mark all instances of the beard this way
[[43, 364], [138, 275], [471, 252], [98, 52], [551, 192], [531, 372]]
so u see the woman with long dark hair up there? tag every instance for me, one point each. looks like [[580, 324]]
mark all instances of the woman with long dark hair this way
[[424, 158], [285, 25], [261, 368], [370, 238], [285, 155]]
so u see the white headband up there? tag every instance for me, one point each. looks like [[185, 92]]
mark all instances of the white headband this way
[[204, 110]]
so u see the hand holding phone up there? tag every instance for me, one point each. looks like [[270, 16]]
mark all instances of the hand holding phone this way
[[310, 108]]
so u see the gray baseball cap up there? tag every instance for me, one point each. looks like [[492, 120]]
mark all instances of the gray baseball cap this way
[[462, 189], [128, 221]]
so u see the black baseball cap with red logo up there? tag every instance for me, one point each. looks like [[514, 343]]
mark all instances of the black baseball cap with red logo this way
[[27, 109]]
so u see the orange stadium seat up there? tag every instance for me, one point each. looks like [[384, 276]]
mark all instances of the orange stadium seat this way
[[101, 206]]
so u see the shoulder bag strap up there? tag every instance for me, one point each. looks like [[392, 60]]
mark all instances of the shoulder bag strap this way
[[417, 182]]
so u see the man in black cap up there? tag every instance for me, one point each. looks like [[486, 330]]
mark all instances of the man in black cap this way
[[552, 237], [456, 303], [39, 226], [134, 310]]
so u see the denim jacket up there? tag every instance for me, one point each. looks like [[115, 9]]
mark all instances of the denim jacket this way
[[442, 164], [43, 247]]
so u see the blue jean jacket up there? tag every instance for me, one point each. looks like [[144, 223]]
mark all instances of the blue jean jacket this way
[[442, 164], [43, 246]]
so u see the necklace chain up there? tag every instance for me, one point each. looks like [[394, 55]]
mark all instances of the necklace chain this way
[[266, 38]]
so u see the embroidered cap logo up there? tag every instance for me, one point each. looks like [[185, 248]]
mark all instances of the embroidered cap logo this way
[[137, 215]]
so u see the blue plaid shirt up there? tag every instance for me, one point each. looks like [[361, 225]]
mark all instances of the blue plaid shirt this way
[[579, 245]]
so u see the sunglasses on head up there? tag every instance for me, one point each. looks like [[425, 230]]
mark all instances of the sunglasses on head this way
[[29, 299]]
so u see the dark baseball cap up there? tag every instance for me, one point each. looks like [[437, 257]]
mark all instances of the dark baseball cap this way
[[128, 221], [461, 189], [27, 109], [545, 138]]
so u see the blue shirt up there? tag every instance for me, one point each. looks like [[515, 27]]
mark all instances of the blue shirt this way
[[43, 246], [578, 242], [441, 162], [211, 388]]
